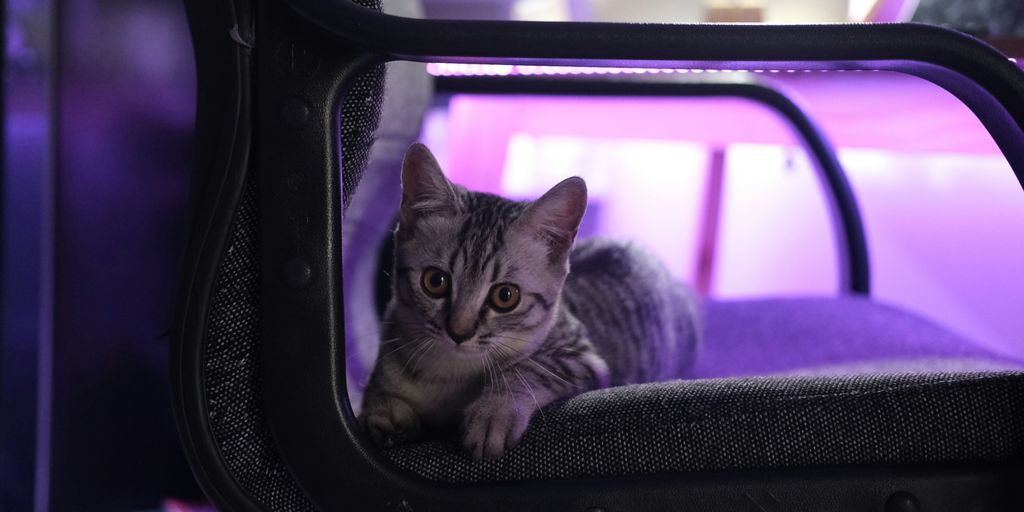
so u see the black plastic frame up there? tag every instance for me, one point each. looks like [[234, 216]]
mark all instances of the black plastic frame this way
[[976, 73], [222, 161], [310, 51], [851, 243]]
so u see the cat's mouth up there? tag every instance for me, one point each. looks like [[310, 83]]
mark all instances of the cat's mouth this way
[[471, 346]]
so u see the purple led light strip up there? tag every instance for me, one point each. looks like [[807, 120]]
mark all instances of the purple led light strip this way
[[459, 69]]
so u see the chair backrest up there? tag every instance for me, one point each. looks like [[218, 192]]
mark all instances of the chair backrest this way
[[260, 399], [217, 359]]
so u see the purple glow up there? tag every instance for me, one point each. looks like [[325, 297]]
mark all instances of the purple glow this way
[[624, 148], [460, 69], [923, 167]]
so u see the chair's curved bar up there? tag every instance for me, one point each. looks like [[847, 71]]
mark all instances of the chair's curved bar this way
[[979, 75], [852, 250], [299, 175]]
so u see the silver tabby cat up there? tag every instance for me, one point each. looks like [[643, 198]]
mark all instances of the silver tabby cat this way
[[487, 324]]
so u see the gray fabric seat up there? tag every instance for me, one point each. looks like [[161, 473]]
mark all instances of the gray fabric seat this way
[[833, 335], [754, 423], [884, 400]]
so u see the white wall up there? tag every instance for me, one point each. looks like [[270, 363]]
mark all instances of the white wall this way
[[806, 11], [651, 11], [692, 11]]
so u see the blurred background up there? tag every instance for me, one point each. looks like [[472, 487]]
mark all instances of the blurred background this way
[[97, 144], [936, 194]]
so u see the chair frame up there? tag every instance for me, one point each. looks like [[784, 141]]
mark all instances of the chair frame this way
[[271, 104]]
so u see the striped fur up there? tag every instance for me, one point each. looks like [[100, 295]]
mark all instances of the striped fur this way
[[619, 317]]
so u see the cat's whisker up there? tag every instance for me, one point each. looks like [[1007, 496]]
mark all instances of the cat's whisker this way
[[512, 353], [416, 349], [494, 374], [399, 322], [511, 396], [419, 358], [508, 352], [501, 350], [499, 343], [400, 347], [350, 356], [385, 342], [494, 371], [371, 331], [505, 336], [551, 373], [529, 389], [422, 347], [487, 373]]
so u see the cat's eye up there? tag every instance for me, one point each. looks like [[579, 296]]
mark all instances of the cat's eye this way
[[436, 282], [504, 297]]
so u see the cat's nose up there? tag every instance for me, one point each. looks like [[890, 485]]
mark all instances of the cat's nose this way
[[459, 337]]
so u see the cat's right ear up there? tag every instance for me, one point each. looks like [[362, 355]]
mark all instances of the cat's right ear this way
[[425, 190], [555, 217]]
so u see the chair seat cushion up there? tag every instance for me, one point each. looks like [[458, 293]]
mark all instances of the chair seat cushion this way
[[886, 398], [830, 336], [753, 423]]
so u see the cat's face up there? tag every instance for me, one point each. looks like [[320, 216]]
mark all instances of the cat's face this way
[[477, 278]]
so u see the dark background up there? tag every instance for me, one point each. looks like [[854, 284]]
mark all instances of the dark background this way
[[100, 103]]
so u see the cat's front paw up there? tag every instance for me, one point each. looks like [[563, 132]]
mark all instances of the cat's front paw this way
[[391, 422], [494, 424]]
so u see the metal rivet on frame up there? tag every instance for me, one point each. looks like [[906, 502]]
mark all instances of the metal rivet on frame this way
[[902, 501], [295, 112], [297, 273]]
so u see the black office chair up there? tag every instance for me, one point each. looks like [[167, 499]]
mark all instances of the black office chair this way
[[259, 359]]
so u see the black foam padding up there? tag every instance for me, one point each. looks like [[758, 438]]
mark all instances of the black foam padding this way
[[231, 371], [232, 351]]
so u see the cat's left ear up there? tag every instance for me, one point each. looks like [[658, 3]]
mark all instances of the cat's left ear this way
[[425, 190], [556, 216]]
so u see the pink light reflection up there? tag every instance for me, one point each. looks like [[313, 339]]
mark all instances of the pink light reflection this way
[[930, 180], [461, 69]]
